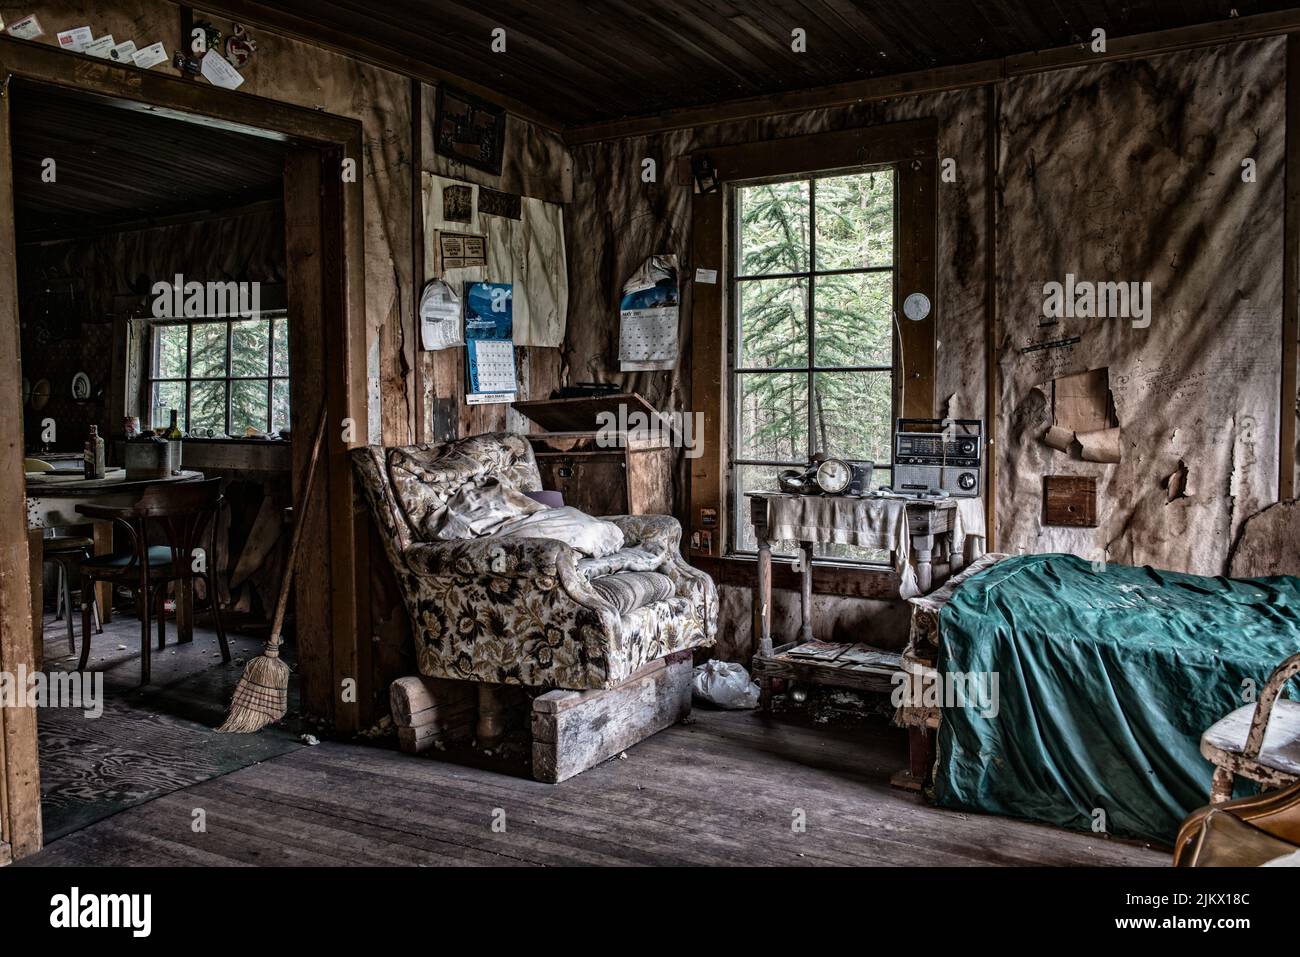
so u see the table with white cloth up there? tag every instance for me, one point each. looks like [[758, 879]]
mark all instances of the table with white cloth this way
[[914, 532]]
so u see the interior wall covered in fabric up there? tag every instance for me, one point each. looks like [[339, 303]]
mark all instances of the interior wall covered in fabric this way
[[1132, 172]]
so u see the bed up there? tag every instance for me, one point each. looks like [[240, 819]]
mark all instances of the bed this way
[[1107, 675]]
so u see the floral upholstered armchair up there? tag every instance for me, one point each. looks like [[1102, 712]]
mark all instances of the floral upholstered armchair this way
[[490, 606]]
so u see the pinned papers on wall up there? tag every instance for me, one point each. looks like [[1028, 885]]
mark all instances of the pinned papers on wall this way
[[28, 28], [439, 317], [76, 39], [217, 70], [101, 48], [150, 56], [489, 347], [648, 313], [122, 52]]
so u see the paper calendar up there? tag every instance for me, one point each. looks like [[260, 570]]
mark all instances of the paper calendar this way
[[648, 311], [489, 349]]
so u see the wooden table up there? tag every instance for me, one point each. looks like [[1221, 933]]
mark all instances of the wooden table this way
[[930, 526], [52, 501]]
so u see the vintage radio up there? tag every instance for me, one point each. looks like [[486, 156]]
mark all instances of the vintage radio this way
[[934, 456]]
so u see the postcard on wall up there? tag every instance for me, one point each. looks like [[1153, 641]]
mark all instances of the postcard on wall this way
[[217, 70], [461, 251], [489, 346], [101, 48], [76, 39], [647, 334], [458, 203]]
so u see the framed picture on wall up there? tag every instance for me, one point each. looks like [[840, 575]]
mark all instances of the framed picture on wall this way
[[469, 130]]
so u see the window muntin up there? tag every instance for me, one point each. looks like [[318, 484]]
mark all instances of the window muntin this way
[[224, 375], [812, 285]]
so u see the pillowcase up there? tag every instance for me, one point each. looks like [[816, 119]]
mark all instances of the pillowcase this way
[[584, 532], [480, 508]]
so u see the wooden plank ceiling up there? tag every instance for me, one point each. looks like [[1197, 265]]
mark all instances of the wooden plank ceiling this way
[[115, 165], [584, 61]]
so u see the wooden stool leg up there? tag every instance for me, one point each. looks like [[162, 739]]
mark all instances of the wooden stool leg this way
[[65, 576], [162, 616], [1220, 786], [87, 600], [215, 602]]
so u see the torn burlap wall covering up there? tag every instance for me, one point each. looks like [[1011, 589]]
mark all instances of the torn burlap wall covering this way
[[1132, 172]]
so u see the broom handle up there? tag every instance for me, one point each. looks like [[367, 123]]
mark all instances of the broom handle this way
[[298, 523]]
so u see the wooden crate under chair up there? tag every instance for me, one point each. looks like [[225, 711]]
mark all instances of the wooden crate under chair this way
[[571, 731]]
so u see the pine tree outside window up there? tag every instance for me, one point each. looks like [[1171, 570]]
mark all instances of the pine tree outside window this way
[[812, 292], [226, 376]]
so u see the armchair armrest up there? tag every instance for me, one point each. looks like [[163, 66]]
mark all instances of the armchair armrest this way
[[1275, 686], [508, 557], [648, 529]]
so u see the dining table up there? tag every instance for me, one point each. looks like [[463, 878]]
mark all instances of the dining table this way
[[52, 500]]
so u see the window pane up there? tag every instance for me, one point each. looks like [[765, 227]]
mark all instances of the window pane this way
[[248, 406], [773, 228], [773, 322], [207, 408], [281, 346], [209, 349], [855, 220], [166, 396], [773, 416], [250, 343], [854, 412], [280, 405], [854, 317], [169, 352], [757, 478]]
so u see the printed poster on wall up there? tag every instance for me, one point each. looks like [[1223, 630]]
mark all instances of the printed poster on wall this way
[[489, 343], [647, 313]]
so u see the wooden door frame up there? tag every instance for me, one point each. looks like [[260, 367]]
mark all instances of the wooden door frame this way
[[335, 296]]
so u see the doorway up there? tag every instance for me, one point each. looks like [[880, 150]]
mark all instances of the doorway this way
[[172, 179]]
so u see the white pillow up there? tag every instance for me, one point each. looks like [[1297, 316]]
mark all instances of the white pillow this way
[[587, 534], [480, 507]]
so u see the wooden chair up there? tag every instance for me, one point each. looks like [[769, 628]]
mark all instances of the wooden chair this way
[[1260, 741], [178, 512], [67, 552], [1246, 832]]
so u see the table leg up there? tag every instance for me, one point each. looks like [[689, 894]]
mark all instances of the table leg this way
[[922, 549], [957, 556], [103, 537], [36, 566], [805, 592], [764, 597], [185, 610]]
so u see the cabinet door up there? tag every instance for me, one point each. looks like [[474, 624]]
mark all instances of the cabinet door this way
[[595, 484]]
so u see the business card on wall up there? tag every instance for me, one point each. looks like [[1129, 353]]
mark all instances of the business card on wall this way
[[217, 70], [150, 56], [76, 39], [100, 48], [123, 52], [28, 28]]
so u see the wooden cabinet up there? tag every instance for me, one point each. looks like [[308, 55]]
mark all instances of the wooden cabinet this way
[[603, 471]]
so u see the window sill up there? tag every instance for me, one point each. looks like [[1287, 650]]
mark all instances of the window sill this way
[[849, 581]]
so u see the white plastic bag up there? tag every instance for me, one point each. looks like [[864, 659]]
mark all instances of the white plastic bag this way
[[725, 684]]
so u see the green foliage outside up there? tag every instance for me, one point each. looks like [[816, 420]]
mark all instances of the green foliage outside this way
[[851, 320]]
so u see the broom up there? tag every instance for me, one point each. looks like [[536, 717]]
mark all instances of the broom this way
[[262, 695]]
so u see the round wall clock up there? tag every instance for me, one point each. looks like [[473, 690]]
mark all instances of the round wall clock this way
[[916, 306]]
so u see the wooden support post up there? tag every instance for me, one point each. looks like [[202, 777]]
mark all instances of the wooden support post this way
[[36, 574], [805, 591]]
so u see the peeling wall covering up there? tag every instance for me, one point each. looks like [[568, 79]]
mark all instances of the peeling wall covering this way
[[1131, 172]]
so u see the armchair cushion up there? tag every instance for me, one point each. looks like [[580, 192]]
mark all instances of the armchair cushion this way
[[628, 591]]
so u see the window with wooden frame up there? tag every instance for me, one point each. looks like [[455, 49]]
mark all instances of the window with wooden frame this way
[[811, 291], [225, 376], [802, 344]]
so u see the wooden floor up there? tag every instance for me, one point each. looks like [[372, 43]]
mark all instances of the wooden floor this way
[[724, 788]]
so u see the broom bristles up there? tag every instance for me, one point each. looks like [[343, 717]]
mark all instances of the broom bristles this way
[[261, 697]]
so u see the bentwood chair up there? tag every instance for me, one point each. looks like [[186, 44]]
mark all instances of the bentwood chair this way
[[178, 513]]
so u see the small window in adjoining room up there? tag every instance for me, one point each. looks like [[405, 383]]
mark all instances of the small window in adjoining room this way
[[813, 276], [227, 377]]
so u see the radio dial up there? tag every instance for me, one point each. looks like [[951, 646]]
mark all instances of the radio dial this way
[[966, 480]]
